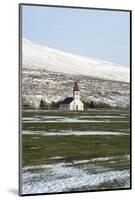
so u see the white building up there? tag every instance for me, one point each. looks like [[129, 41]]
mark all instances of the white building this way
[[73, 103]]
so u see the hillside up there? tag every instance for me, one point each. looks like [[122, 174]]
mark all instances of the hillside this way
[[50, 74]]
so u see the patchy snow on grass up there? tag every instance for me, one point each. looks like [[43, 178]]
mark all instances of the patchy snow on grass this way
[[76, 133], [30, 119], [69, 120], [101, 116], [62, 178], [102, 159], [56, 158], [80, 119], [52, 117], [80, 161], [72, 120], [34, 148]]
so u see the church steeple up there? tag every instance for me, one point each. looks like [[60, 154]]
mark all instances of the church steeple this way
[[76, 91], [76, 87]]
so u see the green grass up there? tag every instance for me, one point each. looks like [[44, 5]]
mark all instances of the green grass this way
[[74, 147], [82, 126], [74, 113], [38, 150]]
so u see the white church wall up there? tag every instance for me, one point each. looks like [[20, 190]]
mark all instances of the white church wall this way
[[76, 105], [72, 105]]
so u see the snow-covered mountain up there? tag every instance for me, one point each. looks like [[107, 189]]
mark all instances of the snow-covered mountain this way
[[48, 73], [42, 57]]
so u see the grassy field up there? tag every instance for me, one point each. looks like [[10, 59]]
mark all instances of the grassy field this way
[[106, 156]]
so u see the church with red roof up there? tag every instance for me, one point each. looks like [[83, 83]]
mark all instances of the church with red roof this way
[[73, 103]]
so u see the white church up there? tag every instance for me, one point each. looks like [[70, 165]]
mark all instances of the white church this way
[[73, 103]]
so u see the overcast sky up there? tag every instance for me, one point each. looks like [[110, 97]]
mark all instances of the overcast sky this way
[[91, 33]]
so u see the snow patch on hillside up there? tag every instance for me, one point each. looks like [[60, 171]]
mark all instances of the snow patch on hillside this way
[[41, 57]]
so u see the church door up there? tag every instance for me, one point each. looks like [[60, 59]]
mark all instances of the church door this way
[[76, 107]]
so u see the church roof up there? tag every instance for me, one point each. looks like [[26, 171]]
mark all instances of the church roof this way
[[76, 87], [67, 100]]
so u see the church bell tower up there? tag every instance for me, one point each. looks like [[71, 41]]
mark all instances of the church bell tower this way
[[76, 92]]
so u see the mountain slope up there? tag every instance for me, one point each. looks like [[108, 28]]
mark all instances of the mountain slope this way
[[50, 74], [36, 56]]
